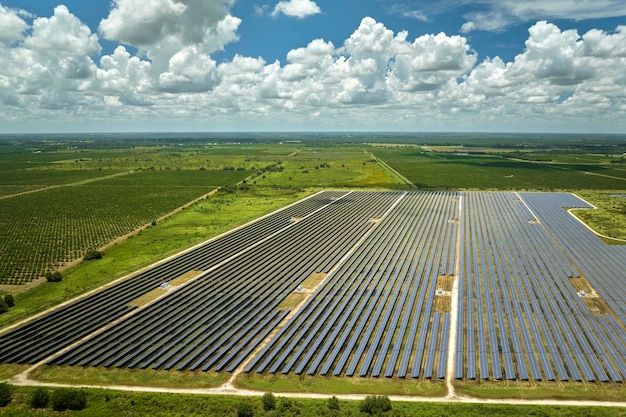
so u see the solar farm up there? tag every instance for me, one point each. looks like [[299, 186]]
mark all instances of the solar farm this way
[[498, 286]]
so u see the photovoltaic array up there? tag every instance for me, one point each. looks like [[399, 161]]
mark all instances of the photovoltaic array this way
[[499, 285]]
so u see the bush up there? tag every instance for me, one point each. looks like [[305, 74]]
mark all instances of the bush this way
[[287, 406], [5, 394], [39, 398], [92, 254], [68, 399], [269, 401], [333, 403], [245, 409], [374, 404], [54, 276], [8, 298]]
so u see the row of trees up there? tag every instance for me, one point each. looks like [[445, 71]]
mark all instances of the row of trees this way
[[372, 405], [60, 400]]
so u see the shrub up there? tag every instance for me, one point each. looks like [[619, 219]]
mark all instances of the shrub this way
[[8, 298], [374, 404], [244, 409], [5, 394], [39, 398], [269, 401], [92, 254], [54, 276], [333, 403], [68, 399], [287, 406]]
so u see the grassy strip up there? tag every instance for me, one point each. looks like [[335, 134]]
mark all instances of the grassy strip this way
[[147, 297], [537, 390], [205, 219], [339, 386], [77, 375], [113, 403], [9, 370], [610, 217]]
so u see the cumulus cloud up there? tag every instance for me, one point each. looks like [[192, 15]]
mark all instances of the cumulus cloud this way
[[296, 8], [64, 34], [12, 26], [375, 79], [177, 36]]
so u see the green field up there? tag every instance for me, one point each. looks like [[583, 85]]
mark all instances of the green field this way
[[435, 169], [43, 231]]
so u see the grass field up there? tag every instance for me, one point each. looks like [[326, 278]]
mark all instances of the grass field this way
[[135, 377], [446, 170], [610, 217], [542, 390], [339, 386]]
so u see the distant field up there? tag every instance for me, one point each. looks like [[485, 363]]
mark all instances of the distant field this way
[[446, 170]]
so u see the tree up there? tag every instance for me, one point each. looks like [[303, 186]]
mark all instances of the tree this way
[[374, 404], [54, 276], [68, 399], [244, 409], [5, 394], [8, 298], [3, 306], [92, 254], [39, 398], [269, 401]]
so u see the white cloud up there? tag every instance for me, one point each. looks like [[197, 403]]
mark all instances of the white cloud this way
[[12, 26], [260, 10], [189, 71], [177, 36], [63, 33], [495, 15], [163, 28], [296, 8], [375, 79]]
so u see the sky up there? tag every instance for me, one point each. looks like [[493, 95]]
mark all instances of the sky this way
[[313, 65]]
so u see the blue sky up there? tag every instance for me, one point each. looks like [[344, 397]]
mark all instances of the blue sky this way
[[405, 65]]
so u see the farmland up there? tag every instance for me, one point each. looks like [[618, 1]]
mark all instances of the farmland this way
[[69, 198], [365, 287], [44, 230], [432, 168]]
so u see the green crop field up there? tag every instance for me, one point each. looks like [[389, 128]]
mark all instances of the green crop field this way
[[432, 169], [43, 230], [85, 201]]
